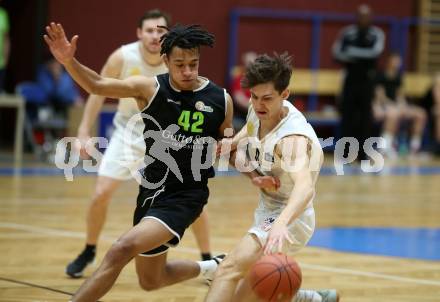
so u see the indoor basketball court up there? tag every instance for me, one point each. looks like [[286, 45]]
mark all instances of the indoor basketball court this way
[[377, 235]]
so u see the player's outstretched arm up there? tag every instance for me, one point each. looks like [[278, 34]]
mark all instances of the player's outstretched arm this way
[[300, 169], [295, 154], [63, 50]]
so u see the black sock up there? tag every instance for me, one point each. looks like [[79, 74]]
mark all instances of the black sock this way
[[90, 249], [206, 256]]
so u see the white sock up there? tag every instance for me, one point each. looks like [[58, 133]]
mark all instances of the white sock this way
[[389, 140], [304, 295], [415, 143], [207, 267]]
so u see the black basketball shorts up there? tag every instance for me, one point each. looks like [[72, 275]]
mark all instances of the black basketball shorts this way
[[176, 208]]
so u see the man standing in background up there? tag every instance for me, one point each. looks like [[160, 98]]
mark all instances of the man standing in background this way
[[358, 47]]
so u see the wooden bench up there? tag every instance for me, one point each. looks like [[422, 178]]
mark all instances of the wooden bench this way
[[328, 82]]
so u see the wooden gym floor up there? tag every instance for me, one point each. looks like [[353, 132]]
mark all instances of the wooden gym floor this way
[[42, 229]]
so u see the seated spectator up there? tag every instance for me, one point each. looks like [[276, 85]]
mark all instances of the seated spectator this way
[[53, 90], [47, 102], [391, 108], [241, 96], [431, 104], [59, 88]]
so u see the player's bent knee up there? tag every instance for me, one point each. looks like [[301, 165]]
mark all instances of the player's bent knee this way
[[229, 268], [121, 251], [149, 283], [101, 196]]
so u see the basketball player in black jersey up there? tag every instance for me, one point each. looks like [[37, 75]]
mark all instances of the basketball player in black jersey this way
[[168, 202]]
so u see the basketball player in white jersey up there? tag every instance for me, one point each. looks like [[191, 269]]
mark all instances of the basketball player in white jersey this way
[[285, 155], [140, 57]]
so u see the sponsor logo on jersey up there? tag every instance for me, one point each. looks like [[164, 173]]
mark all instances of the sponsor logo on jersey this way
[[181, 140], [267, 223], [200, 106]]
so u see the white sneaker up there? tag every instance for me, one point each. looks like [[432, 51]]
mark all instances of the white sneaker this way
[[328, 295], [324, 295], [210, 266]]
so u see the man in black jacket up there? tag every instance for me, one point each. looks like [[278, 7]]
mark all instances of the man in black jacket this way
[[358, 47]]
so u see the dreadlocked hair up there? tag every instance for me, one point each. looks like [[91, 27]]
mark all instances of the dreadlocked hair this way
[[187, 37], [276, 69]]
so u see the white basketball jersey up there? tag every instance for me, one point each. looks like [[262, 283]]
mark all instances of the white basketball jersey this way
[[134, 64], [262, 152]]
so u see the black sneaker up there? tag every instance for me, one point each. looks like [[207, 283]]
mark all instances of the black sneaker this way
[[76, 268]]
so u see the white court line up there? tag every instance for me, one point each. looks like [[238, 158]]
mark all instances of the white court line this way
[[49, 231], [368, 274], [69, 234]]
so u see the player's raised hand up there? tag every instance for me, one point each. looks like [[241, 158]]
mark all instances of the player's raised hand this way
[[61, 48]]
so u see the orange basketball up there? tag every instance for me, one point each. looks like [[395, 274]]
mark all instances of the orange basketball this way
[[275, 277]]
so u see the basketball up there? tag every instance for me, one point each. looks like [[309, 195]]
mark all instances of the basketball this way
[[275, 277]]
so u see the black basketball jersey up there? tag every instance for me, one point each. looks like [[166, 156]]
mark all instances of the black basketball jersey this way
[[179, 125]]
